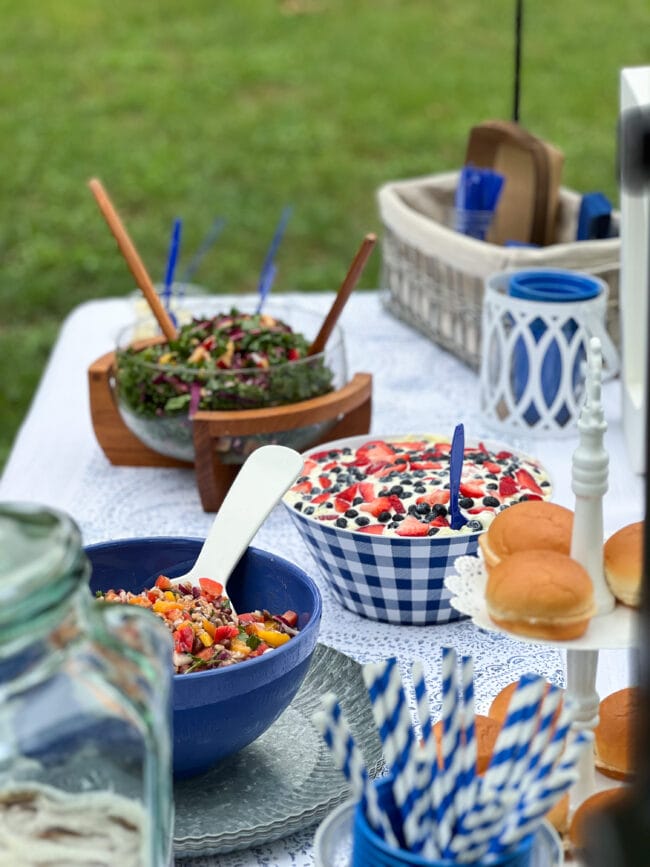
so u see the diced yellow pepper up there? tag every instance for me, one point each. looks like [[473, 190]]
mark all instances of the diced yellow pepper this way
[[169, 595], [205, 639], [272, 637], [164, 605], [239, 647], [210, 628], [140, 600]]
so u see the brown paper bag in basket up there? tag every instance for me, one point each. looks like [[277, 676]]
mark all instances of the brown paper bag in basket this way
[[532, 168]]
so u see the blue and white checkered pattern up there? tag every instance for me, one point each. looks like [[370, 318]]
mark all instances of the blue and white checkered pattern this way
[[397, 580]]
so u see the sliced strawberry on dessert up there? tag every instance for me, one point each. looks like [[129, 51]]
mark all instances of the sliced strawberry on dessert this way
[[527, 481], [507, 487], [341, 505], [410, 445], [434, 498], [503, 456], [349, 493], [426, 465], [412, 527], [439, 521], [320, 498], [330, 466], [441, 449], [490, 467], [320, 456], [376, 451], [377, 506], [372, 529], [302, 487], [325, 481], [473, 488], [396, 504], [366, 490]]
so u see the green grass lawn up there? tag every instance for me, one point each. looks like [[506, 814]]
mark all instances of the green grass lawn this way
[[236, 108]]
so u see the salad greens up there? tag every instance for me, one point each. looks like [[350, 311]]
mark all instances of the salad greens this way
[[231, 361]]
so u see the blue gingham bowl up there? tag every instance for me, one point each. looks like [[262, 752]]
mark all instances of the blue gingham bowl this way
[[393, 579]]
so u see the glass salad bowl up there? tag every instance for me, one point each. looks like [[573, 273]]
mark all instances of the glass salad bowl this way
[[226, 359]]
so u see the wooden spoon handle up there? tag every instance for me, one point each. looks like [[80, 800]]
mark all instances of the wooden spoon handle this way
[[348, 284], [133, 260]]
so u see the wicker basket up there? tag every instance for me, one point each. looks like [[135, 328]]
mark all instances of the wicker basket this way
[[434, 276]]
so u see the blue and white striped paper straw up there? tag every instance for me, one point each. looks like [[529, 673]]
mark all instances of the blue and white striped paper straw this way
[[466, 792], [548, 709], [509, 758], [393, 720], [426, 761], [522, 822], [556, 744], [451, 746], [333, 726]]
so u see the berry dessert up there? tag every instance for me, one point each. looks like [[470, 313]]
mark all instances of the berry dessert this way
[[401, 488]]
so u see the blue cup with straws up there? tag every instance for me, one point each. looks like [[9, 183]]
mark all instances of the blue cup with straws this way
[[368, 848]]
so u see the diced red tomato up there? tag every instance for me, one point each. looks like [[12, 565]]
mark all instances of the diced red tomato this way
[[163, 582], [222, 633], [184, 638], [210, 587], [290, 618], [250, 618], [259, 650]]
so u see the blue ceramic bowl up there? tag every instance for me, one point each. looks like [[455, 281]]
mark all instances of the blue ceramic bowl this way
[[217, 713]]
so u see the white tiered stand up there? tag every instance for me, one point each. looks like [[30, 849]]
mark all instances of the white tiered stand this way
[[613, 627]]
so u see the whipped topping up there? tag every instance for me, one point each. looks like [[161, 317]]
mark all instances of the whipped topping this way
[[401, 487]]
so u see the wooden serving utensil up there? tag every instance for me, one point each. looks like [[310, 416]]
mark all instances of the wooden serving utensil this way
[[345, 290], [133, 260]]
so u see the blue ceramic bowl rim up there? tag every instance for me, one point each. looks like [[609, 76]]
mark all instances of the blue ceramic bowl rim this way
[[249, 664], [553, 286]]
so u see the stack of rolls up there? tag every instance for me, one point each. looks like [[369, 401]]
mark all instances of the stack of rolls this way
[[534, 587]]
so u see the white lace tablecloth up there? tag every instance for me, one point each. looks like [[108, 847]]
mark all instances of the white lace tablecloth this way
[[417, 387]]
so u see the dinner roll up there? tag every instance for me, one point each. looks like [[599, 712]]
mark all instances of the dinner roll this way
[[501, 701], [533, 524], [614, 735], [487, 731], [623, 555], [540, 594], [590, 806]]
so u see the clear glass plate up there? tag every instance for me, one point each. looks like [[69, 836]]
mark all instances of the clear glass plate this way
[[333, 841], [286, 780]]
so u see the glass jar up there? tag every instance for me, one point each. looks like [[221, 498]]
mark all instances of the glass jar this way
[[85, 709]]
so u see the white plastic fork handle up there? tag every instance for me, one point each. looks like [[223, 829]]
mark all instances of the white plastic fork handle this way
[[258, 486]]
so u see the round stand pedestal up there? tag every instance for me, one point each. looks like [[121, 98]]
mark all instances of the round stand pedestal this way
[[581, 668]]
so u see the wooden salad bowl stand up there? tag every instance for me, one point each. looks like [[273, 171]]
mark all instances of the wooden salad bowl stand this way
[[348, 408]]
